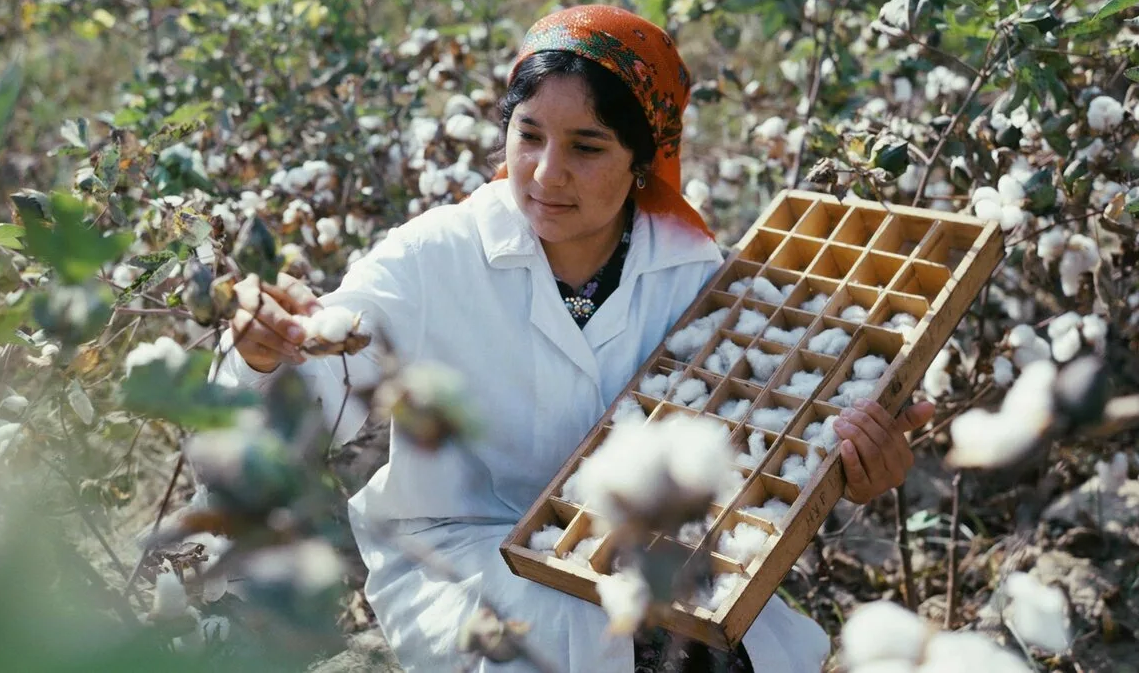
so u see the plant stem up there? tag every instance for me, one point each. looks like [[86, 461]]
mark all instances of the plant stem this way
[[902, 540], [343, 401], [158, 520], [955, 524]]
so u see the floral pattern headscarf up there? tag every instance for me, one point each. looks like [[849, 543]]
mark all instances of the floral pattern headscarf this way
[[646, 60]]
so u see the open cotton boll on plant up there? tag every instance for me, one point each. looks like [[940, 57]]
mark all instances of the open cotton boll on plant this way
[[863, 640], [1036, 612]]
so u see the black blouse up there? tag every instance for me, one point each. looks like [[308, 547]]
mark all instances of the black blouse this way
[[583, 303]]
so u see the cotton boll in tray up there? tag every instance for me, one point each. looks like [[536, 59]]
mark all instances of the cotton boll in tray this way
[[733, 410], [816, 303], [750, 322], [854, 313], [629, 410], [712, 596], [772, 418], [821, 433], [687, 342], [657, 385], [692, 393], [742, 543], [901, 322], [582, 551], [544, 540], [763, 365], [765, 290], [625, 596], [849, 391], [333, 331], [756, 450], [829, 342], [724, 357], [798, 470], [694, 531], [772, 511], [802, 383], [870, 367], [782, 336], [731, 485]]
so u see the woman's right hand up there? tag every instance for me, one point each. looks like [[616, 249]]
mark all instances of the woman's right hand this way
[[265, 329]]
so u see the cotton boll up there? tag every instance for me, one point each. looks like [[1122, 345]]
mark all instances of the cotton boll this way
[[1094, 331], [743, 543], [697, 193], [785, 337], [1104, 114], [730, 485], [870, 367], [794, 470], [1081, 255], [582, 551], [1112, 474], [571, 490], [333, 324], [544, 540], [854, 313], [822, 433], [654, 385], [937, 381], [849, 391], [693, 531], [712, 597], [170, 600], [802, 384], [965, 652], [1051, 244], [863, 634], [686, 343], [730, 352], [740, 286], [901, 319], [756, 451], [766, 291], [715, 363], [1028, 346], [772, 511], [1012, 217], [829, 342], [689, 390], [733, 410], [772, 419], [629, 410], [1038, 613], [1002, 371], [751, 322], [624, 596], [816, 304], [763, 365], [1065, 334], [1010, 190], [984, 194], [988, 210]]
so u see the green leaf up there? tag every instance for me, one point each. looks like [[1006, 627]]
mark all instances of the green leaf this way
[[184, 395], [10, 235], [191, 113], [10, 83], [11, 318], [1133, 207], [654, 10], [1114, 7], [74, 131], [152, 261], [108, 167], [256, 251], [158, 267], [75, 250], [1132, 74], [129, 116], [191, 227]]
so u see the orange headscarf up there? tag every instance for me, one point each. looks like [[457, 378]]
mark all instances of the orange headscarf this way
[[646, 60]]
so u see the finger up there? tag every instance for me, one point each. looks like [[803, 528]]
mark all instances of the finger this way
[[256, 339], [891, 440], [869, 449], [880, 416], [857, 482], [916, 416], [269, 313], [293, 295]]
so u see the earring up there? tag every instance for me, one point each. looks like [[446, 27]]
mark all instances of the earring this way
[[640, 180]]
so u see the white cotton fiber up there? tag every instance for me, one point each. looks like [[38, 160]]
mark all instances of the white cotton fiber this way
[[763, 365], [693, 531], [786, 337], [732, 482], [654, 385], [629, 410], [787, 289], [829, 342], [772, 418], [756, 450], [802, 383], [724, 357], [582, 551], [690, 390], [545, 539], [625, 596], [766, 291], [686, 343], [901, 322], [821, 433], [870, 367], [816, 303], [850, 391], [794, 470], [772, 511], [712, 597], [743, 543], [733, 410], [751, 322], [854, 313], [739, 287]]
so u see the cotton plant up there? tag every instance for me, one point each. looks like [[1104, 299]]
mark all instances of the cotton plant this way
[[986, 439], [1027, 345], [1003, 204], [914, 646], [163, 349], [655, 472], [937, 380]]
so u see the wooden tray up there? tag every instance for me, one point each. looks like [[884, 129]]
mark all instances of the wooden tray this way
[[927, 263]]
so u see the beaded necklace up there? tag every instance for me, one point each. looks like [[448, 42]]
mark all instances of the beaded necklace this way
[[583, 303]]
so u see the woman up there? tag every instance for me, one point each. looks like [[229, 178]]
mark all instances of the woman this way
[[546, 289]]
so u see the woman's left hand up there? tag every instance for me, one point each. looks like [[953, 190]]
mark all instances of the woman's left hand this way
[[874, 448]]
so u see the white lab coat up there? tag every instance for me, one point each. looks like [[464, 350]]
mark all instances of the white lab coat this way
[[469, 285]]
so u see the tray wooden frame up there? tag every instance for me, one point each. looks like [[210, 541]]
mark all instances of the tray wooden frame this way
[[924, 260]]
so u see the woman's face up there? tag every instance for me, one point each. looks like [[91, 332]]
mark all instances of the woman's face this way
[[569, 173]]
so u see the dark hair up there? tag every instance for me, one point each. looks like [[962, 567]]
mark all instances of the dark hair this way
[[613, 102]]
